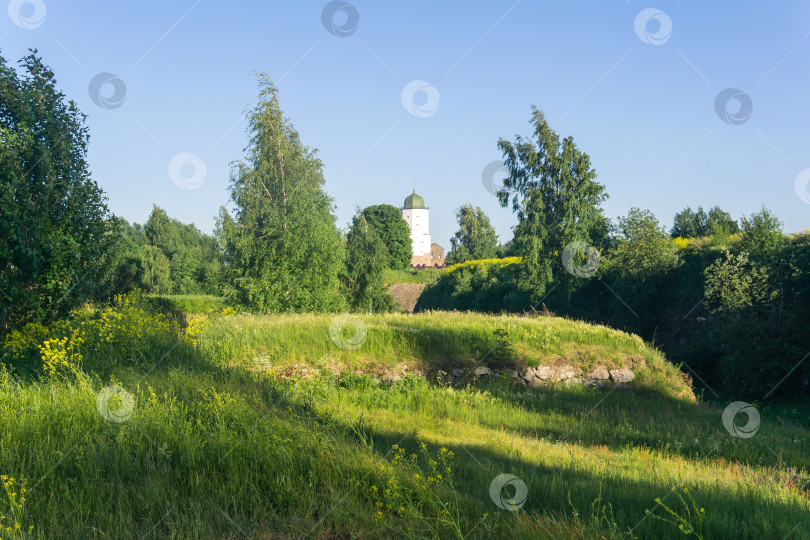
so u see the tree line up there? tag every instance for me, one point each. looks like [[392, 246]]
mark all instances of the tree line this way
[[726, 300], [278, 249], [695, 289]]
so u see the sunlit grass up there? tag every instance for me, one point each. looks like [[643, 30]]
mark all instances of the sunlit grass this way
[[439, 340], [218, 446], [410, 276]]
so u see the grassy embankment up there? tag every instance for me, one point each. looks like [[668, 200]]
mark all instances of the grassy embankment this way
[[410, 276], [219, 445]]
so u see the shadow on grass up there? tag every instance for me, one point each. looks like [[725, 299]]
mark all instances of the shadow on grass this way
[[292, 408], [748, 515], [618, 418], [446, 348]]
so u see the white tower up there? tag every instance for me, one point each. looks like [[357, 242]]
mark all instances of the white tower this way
[[415, 213]]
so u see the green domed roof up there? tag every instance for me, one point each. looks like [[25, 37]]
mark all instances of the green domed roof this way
[[414, 201]]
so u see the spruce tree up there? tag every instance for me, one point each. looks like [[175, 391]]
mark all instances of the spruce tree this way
[[366, 260]]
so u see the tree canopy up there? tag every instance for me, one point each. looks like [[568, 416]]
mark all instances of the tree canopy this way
[[642, 248], [283, 251], [553, 191], [365, 262], [689, 223], [388, 224], [475, 238], [57, 237]]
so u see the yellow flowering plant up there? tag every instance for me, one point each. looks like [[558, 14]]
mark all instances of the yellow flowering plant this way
[[127, 331], [197, 326], [689, 520], [680, 242], [418, 491], [12, 508]]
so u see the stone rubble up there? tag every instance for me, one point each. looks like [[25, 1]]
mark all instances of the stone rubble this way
[[533, 377]]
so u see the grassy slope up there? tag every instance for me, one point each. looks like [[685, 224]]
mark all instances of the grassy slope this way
[[410, 276], [440, 340], [216, 450]]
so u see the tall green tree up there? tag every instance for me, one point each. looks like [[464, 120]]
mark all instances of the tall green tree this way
[[127, 274], [57, 237], [553, 191], [366, 259], [387, 222], [283, 251], [689, 223], [155, 270], [475, 238], [721, 224]]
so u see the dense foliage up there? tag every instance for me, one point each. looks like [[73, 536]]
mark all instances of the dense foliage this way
[[166, 256], [733, 312], [365, 262], [475, 238], [57, 237], [553, 191], [393, 230], [486, 285], [283, 251], [689, 223]]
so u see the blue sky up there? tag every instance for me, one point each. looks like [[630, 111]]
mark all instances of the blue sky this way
[[640, 103]]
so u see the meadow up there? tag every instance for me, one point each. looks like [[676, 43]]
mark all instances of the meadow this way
[[125, 423]]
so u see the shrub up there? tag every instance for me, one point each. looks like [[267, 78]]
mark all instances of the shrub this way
[[487, 285], [126, 332]]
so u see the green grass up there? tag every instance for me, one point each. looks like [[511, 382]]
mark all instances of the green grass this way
[[191, 304], [410, 276], [438, 341], [220, 447]]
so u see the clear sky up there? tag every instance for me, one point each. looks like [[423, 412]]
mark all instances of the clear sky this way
[[637, 90]]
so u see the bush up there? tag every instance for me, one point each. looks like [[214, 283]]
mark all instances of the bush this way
[[58, 240], [125, 333], [486, 285]]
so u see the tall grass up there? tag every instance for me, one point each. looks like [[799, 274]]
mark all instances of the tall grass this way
[[439, 341], [411, 276], [216, 448]]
